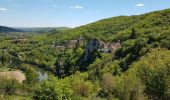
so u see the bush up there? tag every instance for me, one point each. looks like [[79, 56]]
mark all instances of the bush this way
[[53, 89], [167, 86], [109, 84], [8, 86], [82, 86], [31, 74], [153, 70]]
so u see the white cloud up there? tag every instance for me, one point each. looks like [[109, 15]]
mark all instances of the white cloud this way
[[77, 7], [3, 9], [140, 5]]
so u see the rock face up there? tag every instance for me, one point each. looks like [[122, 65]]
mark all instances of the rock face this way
[[91, 46], [94, 45], [59, 65]]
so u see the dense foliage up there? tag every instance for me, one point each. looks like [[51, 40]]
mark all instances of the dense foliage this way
[[79, 69]]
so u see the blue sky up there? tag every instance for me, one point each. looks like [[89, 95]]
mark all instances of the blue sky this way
[[71, 13]]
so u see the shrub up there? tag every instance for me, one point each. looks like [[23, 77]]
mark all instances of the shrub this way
[[53, 89], [153, 70], [82, 86], [8, 86]]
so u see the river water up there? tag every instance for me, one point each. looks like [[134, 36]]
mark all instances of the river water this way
[[42, 74]]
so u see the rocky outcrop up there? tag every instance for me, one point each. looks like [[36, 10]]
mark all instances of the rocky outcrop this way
[[94, 45], [91, 46], [59, 66]]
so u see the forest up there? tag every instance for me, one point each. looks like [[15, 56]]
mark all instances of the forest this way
[[119, 58]]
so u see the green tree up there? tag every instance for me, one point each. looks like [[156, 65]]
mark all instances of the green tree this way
[[133, 34], [109, 85], [54, 89], [153, 70]]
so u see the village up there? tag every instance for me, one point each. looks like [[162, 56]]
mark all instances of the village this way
[[103, 47]]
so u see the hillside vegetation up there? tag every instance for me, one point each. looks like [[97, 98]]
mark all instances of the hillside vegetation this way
[[8, 29], [120, 58], [43, 29], [118, 28]]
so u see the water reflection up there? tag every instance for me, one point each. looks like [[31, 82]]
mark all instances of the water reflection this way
[[42, 75]]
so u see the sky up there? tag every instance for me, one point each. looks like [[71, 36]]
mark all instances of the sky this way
[[71, 13]]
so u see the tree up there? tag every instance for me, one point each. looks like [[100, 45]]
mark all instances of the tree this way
[[128, 87], [167, 88], [53, 89], [109, 84], [133, 34], [82, 86], [152, 71]]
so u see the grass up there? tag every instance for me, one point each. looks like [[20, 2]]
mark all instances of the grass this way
[[13, 97], [16, 74], [4, 69]]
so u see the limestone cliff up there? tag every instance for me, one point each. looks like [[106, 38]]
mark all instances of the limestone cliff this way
[[91, 46]]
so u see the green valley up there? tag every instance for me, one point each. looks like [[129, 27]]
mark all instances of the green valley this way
[[119, 58]]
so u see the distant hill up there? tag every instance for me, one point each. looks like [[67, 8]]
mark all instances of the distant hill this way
[[42, 29], [8, 29], [119, 28]]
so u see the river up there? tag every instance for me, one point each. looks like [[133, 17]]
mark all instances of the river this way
[[42, 74]]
